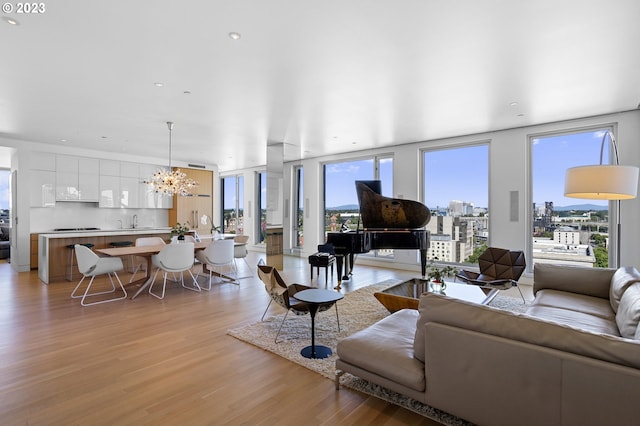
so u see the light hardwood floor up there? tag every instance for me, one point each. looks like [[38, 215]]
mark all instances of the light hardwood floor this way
[[149, 361]]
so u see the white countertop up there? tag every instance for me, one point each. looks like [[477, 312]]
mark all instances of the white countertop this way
[[104, 232]]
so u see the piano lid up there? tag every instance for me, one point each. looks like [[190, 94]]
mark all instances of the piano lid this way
[[380, 212]]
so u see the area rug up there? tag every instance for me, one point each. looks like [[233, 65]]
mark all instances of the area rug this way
[[357, 310]]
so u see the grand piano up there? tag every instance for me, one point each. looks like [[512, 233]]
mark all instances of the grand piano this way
[[388, 223]]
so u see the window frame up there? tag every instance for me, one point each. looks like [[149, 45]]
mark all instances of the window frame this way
[[422, 186], [612, 206]]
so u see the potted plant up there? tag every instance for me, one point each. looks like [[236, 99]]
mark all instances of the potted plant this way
[[179, 230], [437, 274]]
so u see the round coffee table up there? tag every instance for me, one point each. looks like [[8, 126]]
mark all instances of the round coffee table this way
[[314, 298]]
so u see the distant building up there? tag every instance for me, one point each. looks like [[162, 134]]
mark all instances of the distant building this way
[[460, 208], [451, 238], [567, 236], [546, 250], [548, 213]]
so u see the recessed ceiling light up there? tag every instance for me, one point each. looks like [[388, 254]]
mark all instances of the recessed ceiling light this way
[[103, 137], [187, 92], [234, 36], [10, 21], [158, 84], [63, 140], [520, 115], [513, 104]]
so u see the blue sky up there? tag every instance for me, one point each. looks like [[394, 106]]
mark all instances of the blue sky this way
[[462, 173], [552, 156], [4, 188]]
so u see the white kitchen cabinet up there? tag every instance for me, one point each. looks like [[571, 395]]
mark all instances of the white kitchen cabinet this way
[[109, 191], [89, 179], [119, 184], [77, 178], [129, 170], [109, 168], [42, 188], [129, 193], [42, 179]]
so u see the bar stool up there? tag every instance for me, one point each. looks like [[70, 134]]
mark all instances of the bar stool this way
[[116, 244], [70, 263]]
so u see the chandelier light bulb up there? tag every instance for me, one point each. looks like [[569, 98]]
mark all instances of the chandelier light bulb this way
[[171, 182]]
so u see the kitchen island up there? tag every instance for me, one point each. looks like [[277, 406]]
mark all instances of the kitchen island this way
[[53, 254]]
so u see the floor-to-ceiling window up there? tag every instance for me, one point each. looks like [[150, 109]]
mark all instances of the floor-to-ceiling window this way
[[341, 208], [298, 223], [233, 204], [567, 230], [456, 190], [261, 202]]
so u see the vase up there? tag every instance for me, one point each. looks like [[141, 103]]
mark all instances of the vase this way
[[438, 286]]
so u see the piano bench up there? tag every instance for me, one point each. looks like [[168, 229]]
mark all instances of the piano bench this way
[[322, 260]]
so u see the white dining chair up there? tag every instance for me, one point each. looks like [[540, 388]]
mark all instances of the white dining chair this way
[[145, 241], [91, 265], [174, 258], [218, 256], [240, 252]]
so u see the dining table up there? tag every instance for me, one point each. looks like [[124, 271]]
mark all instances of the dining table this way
[[147, 253]]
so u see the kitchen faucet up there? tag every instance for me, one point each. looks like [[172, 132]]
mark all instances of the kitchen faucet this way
[[134, 222]]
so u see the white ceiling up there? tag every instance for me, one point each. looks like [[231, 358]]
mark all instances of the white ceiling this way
[[326, 76]]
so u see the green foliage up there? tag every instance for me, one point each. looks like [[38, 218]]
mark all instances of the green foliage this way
[[438, 273], [598, 239], [179, 229], [602, 257], [476, 253]]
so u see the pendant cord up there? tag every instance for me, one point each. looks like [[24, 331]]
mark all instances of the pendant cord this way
[[170, 125]]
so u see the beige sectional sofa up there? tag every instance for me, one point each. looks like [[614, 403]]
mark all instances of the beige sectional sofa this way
[[572, 359]]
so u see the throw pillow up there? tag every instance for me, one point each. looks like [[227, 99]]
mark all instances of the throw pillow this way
[[628, 315], [621, 280]]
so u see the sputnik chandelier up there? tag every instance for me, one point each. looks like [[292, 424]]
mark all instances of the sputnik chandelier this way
[[171, 182]]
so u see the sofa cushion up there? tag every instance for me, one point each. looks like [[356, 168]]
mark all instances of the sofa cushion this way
[[527, 329], [628, 314], [621, 280], [575, 279], [418, 340], [581, 320], [575, 302], [386, 349]]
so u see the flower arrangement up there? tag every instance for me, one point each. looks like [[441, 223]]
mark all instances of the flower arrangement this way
[[179, 229], [438, 273]]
